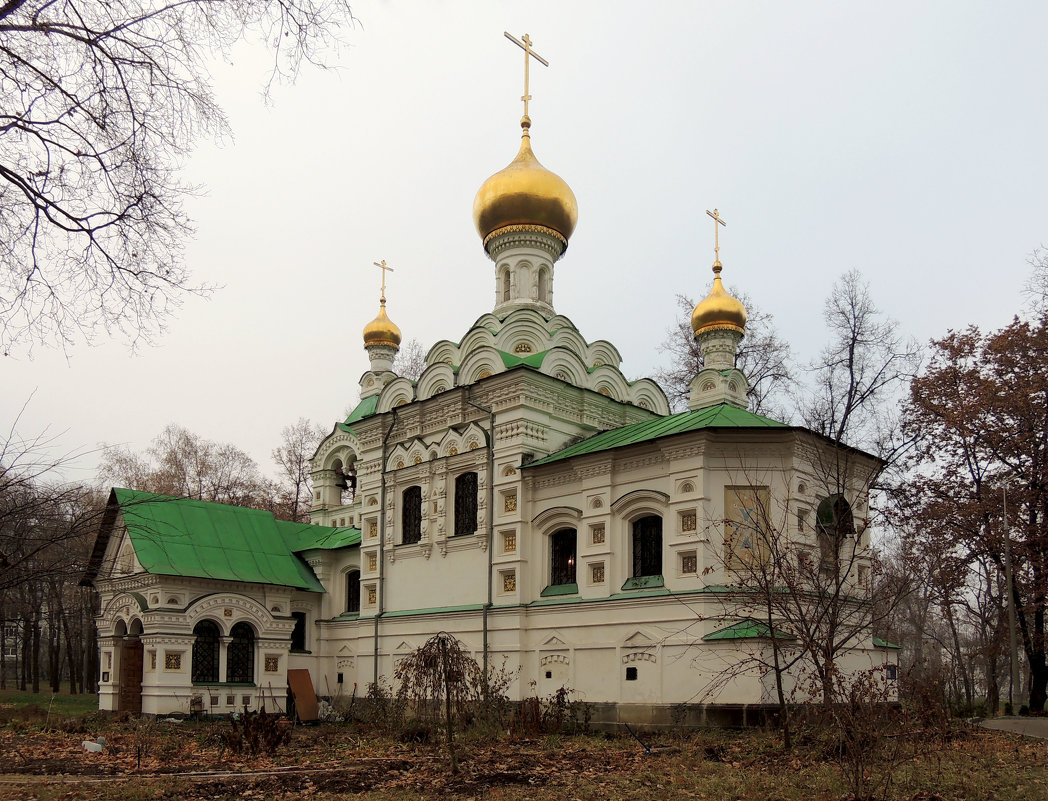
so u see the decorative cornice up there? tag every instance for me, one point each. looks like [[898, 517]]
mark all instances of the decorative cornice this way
[[540, 236]]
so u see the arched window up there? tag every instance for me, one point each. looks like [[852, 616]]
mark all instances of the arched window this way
[[505, 285], [835, 523], [466, 504], [411, 516], [205, 652], [240, 658], [647, 546], [544, 286], [353, 592], [562, 557]]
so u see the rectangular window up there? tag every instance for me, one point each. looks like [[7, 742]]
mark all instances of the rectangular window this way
[[562, 561], [689, 563], [411, 516], [746, 513], [631, 674], [509, 580], [647, 546], [353, 592], [597, 573], [466, 504], [509, 542], [298, 634]]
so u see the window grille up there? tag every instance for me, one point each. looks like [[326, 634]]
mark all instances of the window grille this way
[[647, 546], [205, 652], [240, 658], [466, 504], [353, 591], [411, 516], [562, 557]]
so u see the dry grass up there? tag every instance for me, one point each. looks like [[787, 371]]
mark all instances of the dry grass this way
[[330, 762]]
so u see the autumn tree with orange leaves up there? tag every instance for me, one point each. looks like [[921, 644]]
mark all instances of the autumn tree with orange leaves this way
[[981, 412]]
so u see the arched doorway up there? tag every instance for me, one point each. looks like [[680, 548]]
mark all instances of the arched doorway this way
[[129, 698]]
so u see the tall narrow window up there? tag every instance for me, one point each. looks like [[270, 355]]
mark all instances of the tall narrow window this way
[[353, 591], [411, 516], [505, 285], [205, 652], [240, 658], [835, 523], [562, 557], [543, 286], [647, 546], [298, 634], [466, 504]]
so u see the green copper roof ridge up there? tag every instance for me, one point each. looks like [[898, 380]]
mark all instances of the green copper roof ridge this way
[[366, 408], [718, 416]]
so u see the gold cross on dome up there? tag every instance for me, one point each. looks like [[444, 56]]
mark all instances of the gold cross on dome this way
[[715, 214], [528, 55], [385, 268]]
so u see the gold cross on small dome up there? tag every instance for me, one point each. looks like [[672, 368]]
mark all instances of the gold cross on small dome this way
[[528, 55]]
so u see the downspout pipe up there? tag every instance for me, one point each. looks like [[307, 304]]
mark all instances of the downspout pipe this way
[[489, 435], [382, 541]]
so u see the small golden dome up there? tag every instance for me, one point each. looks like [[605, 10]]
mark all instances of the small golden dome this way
[[382, 330], [525, 193], [719, 310]]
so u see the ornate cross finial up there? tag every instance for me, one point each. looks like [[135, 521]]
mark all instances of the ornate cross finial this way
[[528, 55], [385, 268], [715, 214]]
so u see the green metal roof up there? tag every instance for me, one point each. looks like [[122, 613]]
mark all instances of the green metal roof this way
[[186, 537], [879, 643], [531, 360], [365, 408], [322, 538], [747, 629], [721, 416]]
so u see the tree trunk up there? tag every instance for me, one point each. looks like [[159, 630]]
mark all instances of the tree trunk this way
[[71, 655], [446, 668], [27, 649], [54, 662], [3, 653], [36, 654], [962, 669]]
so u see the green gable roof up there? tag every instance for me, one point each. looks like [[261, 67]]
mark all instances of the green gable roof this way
[[721, 416], [365, 408], [746, 630], [880, 643], [186, 537]]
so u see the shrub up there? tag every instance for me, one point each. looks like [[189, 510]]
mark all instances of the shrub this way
[[255, 732]]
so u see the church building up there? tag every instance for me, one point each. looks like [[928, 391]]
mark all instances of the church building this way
[[521, 495]]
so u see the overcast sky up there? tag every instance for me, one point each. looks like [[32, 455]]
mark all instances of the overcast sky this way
[[902, 139]]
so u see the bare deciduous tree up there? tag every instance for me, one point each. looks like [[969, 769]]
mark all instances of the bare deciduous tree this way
[[183, 464], [859, 380], [297, 445], [100, 101], [411, 360]]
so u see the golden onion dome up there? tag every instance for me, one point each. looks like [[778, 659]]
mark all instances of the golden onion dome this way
[[719, 310], [525, 194], [382, 330]]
